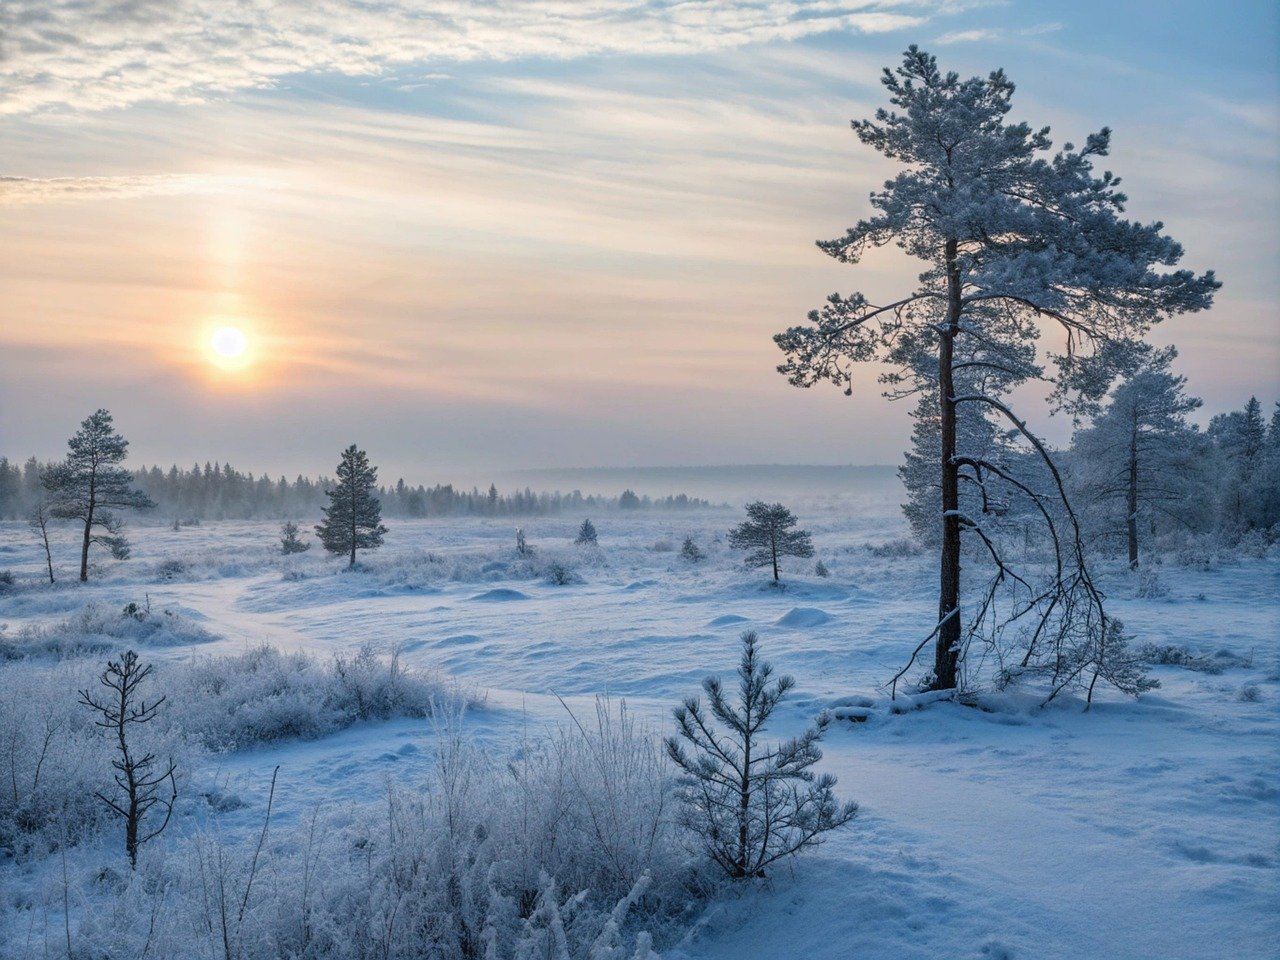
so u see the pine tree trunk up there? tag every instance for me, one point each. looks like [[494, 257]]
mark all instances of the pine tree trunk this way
[[947, 647], [773, 548], [84, 546], [1133, 498]]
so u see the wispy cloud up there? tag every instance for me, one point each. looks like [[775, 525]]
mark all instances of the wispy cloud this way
[[988, 35], [99, 54], [26, 190]]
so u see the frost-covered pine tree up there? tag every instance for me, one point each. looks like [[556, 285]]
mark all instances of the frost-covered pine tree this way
[[750, 804], [586, 534], [90, 484], [1140, 459], [1018, 241], [768, 535], [353, 519]]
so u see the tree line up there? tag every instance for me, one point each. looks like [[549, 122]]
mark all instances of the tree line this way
[[218, 491]]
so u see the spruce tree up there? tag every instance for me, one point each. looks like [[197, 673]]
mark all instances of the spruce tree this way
[[353, 519], [768, 535], [90, 484], [586, 534], [1018, 241]]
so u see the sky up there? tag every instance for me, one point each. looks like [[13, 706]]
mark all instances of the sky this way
[[491, 236]]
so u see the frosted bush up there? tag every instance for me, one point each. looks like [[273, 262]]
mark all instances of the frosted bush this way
[[1149, 586], [96, 629], [265, 695], [1253, 545], [894, 549], [51, 758]]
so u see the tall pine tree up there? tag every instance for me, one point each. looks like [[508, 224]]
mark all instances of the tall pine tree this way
[[90, 484], [353, 519], [1017, 241]]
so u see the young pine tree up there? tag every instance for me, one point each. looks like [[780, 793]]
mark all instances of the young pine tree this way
[[353, 519], [586, 534], [768, 535], [90, 484], [750, 804], [1016, 241], [290, 542]]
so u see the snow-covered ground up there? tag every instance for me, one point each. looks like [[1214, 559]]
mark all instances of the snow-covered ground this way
[[1139, 829]]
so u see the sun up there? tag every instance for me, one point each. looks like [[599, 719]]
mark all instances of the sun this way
[[229, 343], [228, 347]]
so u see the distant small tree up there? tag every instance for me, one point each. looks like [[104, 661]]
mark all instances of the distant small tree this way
[[290, 542], [522, 545], [139, 780], [353, 519], [39, 522], [752, 805], [689, 551], [90, 483], [629, 500], [768, 535], [586, 533], [820, 570]]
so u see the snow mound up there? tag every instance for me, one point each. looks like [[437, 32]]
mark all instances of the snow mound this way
[[801, 617], [726, 620], [500, 595]]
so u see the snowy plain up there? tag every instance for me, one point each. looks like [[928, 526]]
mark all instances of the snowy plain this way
[[1138, 829]]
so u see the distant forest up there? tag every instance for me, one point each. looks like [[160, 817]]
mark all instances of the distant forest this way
[[220, 492]]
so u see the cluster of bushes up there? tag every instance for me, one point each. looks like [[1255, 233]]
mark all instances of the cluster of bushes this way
[[96, 628]]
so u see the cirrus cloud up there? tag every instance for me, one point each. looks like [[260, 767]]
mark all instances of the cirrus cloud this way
[[102, 54]]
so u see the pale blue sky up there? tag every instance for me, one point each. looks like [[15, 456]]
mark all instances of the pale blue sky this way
[[546, 233]]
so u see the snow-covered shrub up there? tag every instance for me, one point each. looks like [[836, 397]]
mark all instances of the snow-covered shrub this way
[[6, 581], [662, 545], [51, 758], [1202, 552], [95, 630], [264, 694], [820, 570], [1149, 586], [172, 568], [1253, 545], [1172, 655], [1249, 693], [560, 573], [894, 549]]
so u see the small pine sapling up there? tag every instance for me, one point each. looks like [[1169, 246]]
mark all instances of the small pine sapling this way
[[820, 570], [689, 551], [290, 542], [586, 534], [522, 545], [139, 780], [749, 804]]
